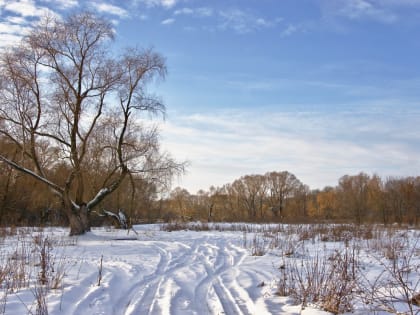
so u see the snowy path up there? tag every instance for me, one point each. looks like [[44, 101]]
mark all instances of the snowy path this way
[[186, 272], [184, 283], [169, 273]]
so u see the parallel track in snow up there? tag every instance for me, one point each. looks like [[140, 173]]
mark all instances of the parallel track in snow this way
[[197, 277]]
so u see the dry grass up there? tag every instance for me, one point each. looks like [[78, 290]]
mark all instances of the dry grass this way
[[334, 282], [326, 281], [30, 263]]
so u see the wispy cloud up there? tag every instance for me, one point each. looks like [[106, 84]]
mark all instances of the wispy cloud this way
[[17, 29], [197, 12], [26, 8], [357, 9], [21, 17], [168, 21], [318, 148], [204, 11], [398, 3], [63, 4], [184, 11], [159, 3], [244, 22], [110, 9], [289, 30], [236, 20], [15, 20], [383, 11]]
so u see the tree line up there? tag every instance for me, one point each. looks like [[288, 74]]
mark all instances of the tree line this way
[[282, 197]]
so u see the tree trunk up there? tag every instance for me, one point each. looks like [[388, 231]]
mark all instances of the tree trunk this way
[[79, 223], [84, 217], [76, 225], [78, 217]]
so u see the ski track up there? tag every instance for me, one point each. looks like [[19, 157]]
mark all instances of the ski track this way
[[197, 276]]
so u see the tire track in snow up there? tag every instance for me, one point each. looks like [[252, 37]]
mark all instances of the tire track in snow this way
[[94, 298], [230, 303], [214, 263], [238, 294], [149, 283], [202, 292], [225, 261], [146, 301], [129, 299], [82, 296]]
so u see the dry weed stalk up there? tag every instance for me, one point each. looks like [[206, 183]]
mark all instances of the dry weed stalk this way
[[335, 283], [28, 263], [397, 287], [100, 271], [40, 292], [326, 281]]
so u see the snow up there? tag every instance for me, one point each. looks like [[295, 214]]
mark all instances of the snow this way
[[101, 193], [178, 272]]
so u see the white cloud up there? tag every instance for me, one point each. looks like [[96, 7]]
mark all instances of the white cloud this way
[[204, 11], [361, 9], [63, 4], [236, 20], [20, 17], [262, 22], [382, 11], [318, 148], [163, 3], [168, 3], [16, 20], [110, 9], [244, 22], [8, 40], [196, 12], [289, 30], [184, 11], [398, 3], [168, 21], [26, 8], [7, 28]]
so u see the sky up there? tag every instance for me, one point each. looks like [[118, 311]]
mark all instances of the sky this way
[[318, 88]]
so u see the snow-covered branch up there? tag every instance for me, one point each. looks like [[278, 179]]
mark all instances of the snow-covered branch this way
[[98, 197], [120, 217]]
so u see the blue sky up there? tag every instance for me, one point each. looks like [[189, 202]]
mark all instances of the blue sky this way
[[320, 88]]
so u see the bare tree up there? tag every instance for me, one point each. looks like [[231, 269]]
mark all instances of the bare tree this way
[[282, 185], [66, 99], [182, 202], [250, 191], [354, 193]]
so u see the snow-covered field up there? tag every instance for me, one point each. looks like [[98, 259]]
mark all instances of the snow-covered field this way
[[110, 271]]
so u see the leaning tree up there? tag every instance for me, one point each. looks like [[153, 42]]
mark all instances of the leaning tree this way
[[68, 100]]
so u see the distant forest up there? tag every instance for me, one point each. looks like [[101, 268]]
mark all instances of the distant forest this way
[[272, 197]]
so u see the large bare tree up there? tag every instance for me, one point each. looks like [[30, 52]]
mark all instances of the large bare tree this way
[[251, 190], [67, 100], [282, 186]]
